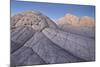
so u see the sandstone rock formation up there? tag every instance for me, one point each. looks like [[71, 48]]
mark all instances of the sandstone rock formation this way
[[79, 25], [35, 39]]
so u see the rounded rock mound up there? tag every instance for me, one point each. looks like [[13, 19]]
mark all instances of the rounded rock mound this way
[[33, 19]]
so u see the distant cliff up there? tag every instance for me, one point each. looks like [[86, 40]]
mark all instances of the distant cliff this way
[[79, 25]]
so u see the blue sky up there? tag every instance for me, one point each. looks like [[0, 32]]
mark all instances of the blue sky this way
[[53, 10]]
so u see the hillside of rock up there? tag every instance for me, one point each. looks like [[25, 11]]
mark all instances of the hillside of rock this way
[[79, 25], [36, 39]]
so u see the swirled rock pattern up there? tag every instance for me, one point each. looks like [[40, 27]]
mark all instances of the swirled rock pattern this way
[[35, 39]]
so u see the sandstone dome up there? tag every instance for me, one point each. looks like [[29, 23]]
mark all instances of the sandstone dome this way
[[76, 21], [68, 19], [79, 25], [87, 21]]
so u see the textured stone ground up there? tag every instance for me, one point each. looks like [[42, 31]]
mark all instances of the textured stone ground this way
[[35, 39]]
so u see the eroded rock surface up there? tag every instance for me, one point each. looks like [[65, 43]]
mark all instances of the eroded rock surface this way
[[35, 39], [32, 19], [82, 47]]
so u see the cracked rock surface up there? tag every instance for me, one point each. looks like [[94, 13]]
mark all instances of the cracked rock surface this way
[[35, 39]]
